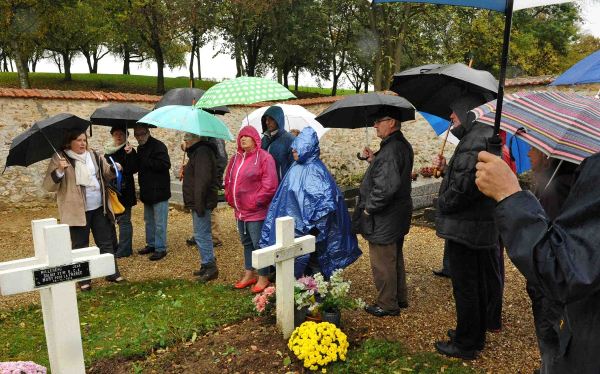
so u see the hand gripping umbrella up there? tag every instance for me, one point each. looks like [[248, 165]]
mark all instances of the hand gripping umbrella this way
[[40, 141], [506, 6]]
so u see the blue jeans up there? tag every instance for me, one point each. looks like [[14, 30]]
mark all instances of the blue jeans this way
[[250, 237], [125, 247], [155, 217], [203, 236]]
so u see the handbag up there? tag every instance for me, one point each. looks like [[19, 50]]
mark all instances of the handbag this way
[[118, 208]]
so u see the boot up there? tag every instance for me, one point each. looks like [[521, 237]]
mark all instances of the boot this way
[[200, 272], [211, 272]]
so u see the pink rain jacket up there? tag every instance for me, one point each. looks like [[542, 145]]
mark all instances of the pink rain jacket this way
[[251, 180]]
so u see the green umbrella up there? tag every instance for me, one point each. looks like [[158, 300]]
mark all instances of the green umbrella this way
[[189, 119], [243, 90]]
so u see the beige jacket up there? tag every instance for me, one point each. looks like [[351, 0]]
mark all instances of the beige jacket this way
[[71, 197]]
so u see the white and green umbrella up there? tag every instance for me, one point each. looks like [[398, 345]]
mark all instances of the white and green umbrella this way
[[243, 90], [188, 119]]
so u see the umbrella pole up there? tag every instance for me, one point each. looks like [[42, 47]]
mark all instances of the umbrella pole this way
[[181, 173], [436, 172], [49, 142], [495, 143], [553, 174]]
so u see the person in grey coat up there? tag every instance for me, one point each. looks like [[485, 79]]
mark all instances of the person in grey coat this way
[[384, 212]]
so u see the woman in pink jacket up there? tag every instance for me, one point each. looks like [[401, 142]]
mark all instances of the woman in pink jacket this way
[[250, 184]]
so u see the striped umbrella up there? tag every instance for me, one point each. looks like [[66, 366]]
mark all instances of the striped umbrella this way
[[562, 125]]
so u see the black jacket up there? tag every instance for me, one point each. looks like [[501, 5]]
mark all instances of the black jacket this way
[[385, 193], [562, 259], [153, 171], [464, 214], [130, 167], [200, 183], [221, 155]]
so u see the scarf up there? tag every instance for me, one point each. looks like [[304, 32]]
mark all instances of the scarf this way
[[83, 177], [112, 148]]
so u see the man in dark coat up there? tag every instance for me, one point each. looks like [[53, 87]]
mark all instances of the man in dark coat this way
[[199, 187], [276, 140], [155, 190], [464, 219], [222, 160], [384, 212], [560, 258]]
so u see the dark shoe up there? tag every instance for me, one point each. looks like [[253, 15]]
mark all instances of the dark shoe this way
[[86, 289], [403, 304], [200, 272], [120, 281], [449, 349], [146, 250], [158, 255], [442, 273], [190, 241], [217, 244], [123, 255], [452, 335], [378, 311], [211, 272]]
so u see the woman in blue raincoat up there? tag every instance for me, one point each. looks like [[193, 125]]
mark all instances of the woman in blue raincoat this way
[[309, 194]]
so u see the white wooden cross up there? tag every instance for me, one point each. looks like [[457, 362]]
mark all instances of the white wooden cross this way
[[52, 272], [282, 254]]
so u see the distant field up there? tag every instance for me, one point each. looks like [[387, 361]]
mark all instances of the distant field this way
[[126, 83]]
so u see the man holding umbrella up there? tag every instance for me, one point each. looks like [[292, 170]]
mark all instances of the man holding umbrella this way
[[464, 219], [384, 211]]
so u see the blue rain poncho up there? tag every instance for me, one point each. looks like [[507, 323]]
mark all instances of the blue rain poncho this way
[[309, 194]]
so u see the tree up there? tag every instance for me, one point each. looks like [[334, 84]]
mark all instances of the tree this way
[[158, 25], [19, 28]]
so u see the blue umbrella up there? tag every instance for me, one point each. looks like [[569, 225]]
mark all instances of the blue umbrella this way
[[518, 147], [507, 7], [585, 71]]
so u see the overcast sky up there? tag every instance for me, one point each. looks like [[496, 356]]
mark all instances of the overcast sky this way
[[223, 66]]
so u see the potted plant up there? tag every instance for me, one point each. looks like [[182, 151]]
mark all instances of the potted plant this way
[[305, 302], [337, 299], [265, 303]]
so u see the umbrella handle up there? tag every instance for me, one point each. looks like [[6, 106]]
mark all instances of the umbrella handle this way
[[181, 173], [436, 172], [360, 157]]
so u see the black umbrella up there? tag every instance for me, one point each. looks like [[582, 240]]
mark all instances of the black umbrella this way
[[354, 111], [432, 88], [40, 141], [120, 115], [187, 96]]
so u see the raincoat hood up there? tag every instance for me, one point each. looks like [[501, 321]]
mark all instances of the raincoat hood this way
[[461, 107], [276, 113], [307, 145], [251, 132]]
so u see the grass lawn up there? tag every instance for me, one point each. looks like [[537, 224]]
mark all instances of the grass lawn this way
[[128, 320], [127, 83]]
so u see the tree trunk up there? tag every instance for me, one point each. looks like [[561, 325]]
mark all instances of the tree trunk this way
[[192, 61], [95, 64], [401, 38], [88, 59], [198, 62], [22, 71], [126, 57], [371, 12], [67, 63], [5, 62], [279, 75], [296, 77], [238, 60], [33, 65], [160, 78], [366, 84]]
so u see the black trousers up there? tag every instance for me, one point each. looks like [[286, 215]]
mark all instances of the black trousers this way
[[104, 234], [470, 294], [494, 273]]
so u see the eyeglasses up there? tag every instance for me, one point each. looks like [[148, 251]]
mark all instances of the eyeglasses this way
[[381, 120], [140, 134]]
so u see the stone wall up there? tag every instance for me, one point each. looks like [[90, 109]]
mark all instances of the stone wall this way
[[338, 146]]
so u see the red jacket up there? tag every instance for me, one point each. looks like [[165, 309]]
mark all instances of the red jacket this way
[[251, 180], [506, 153]]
